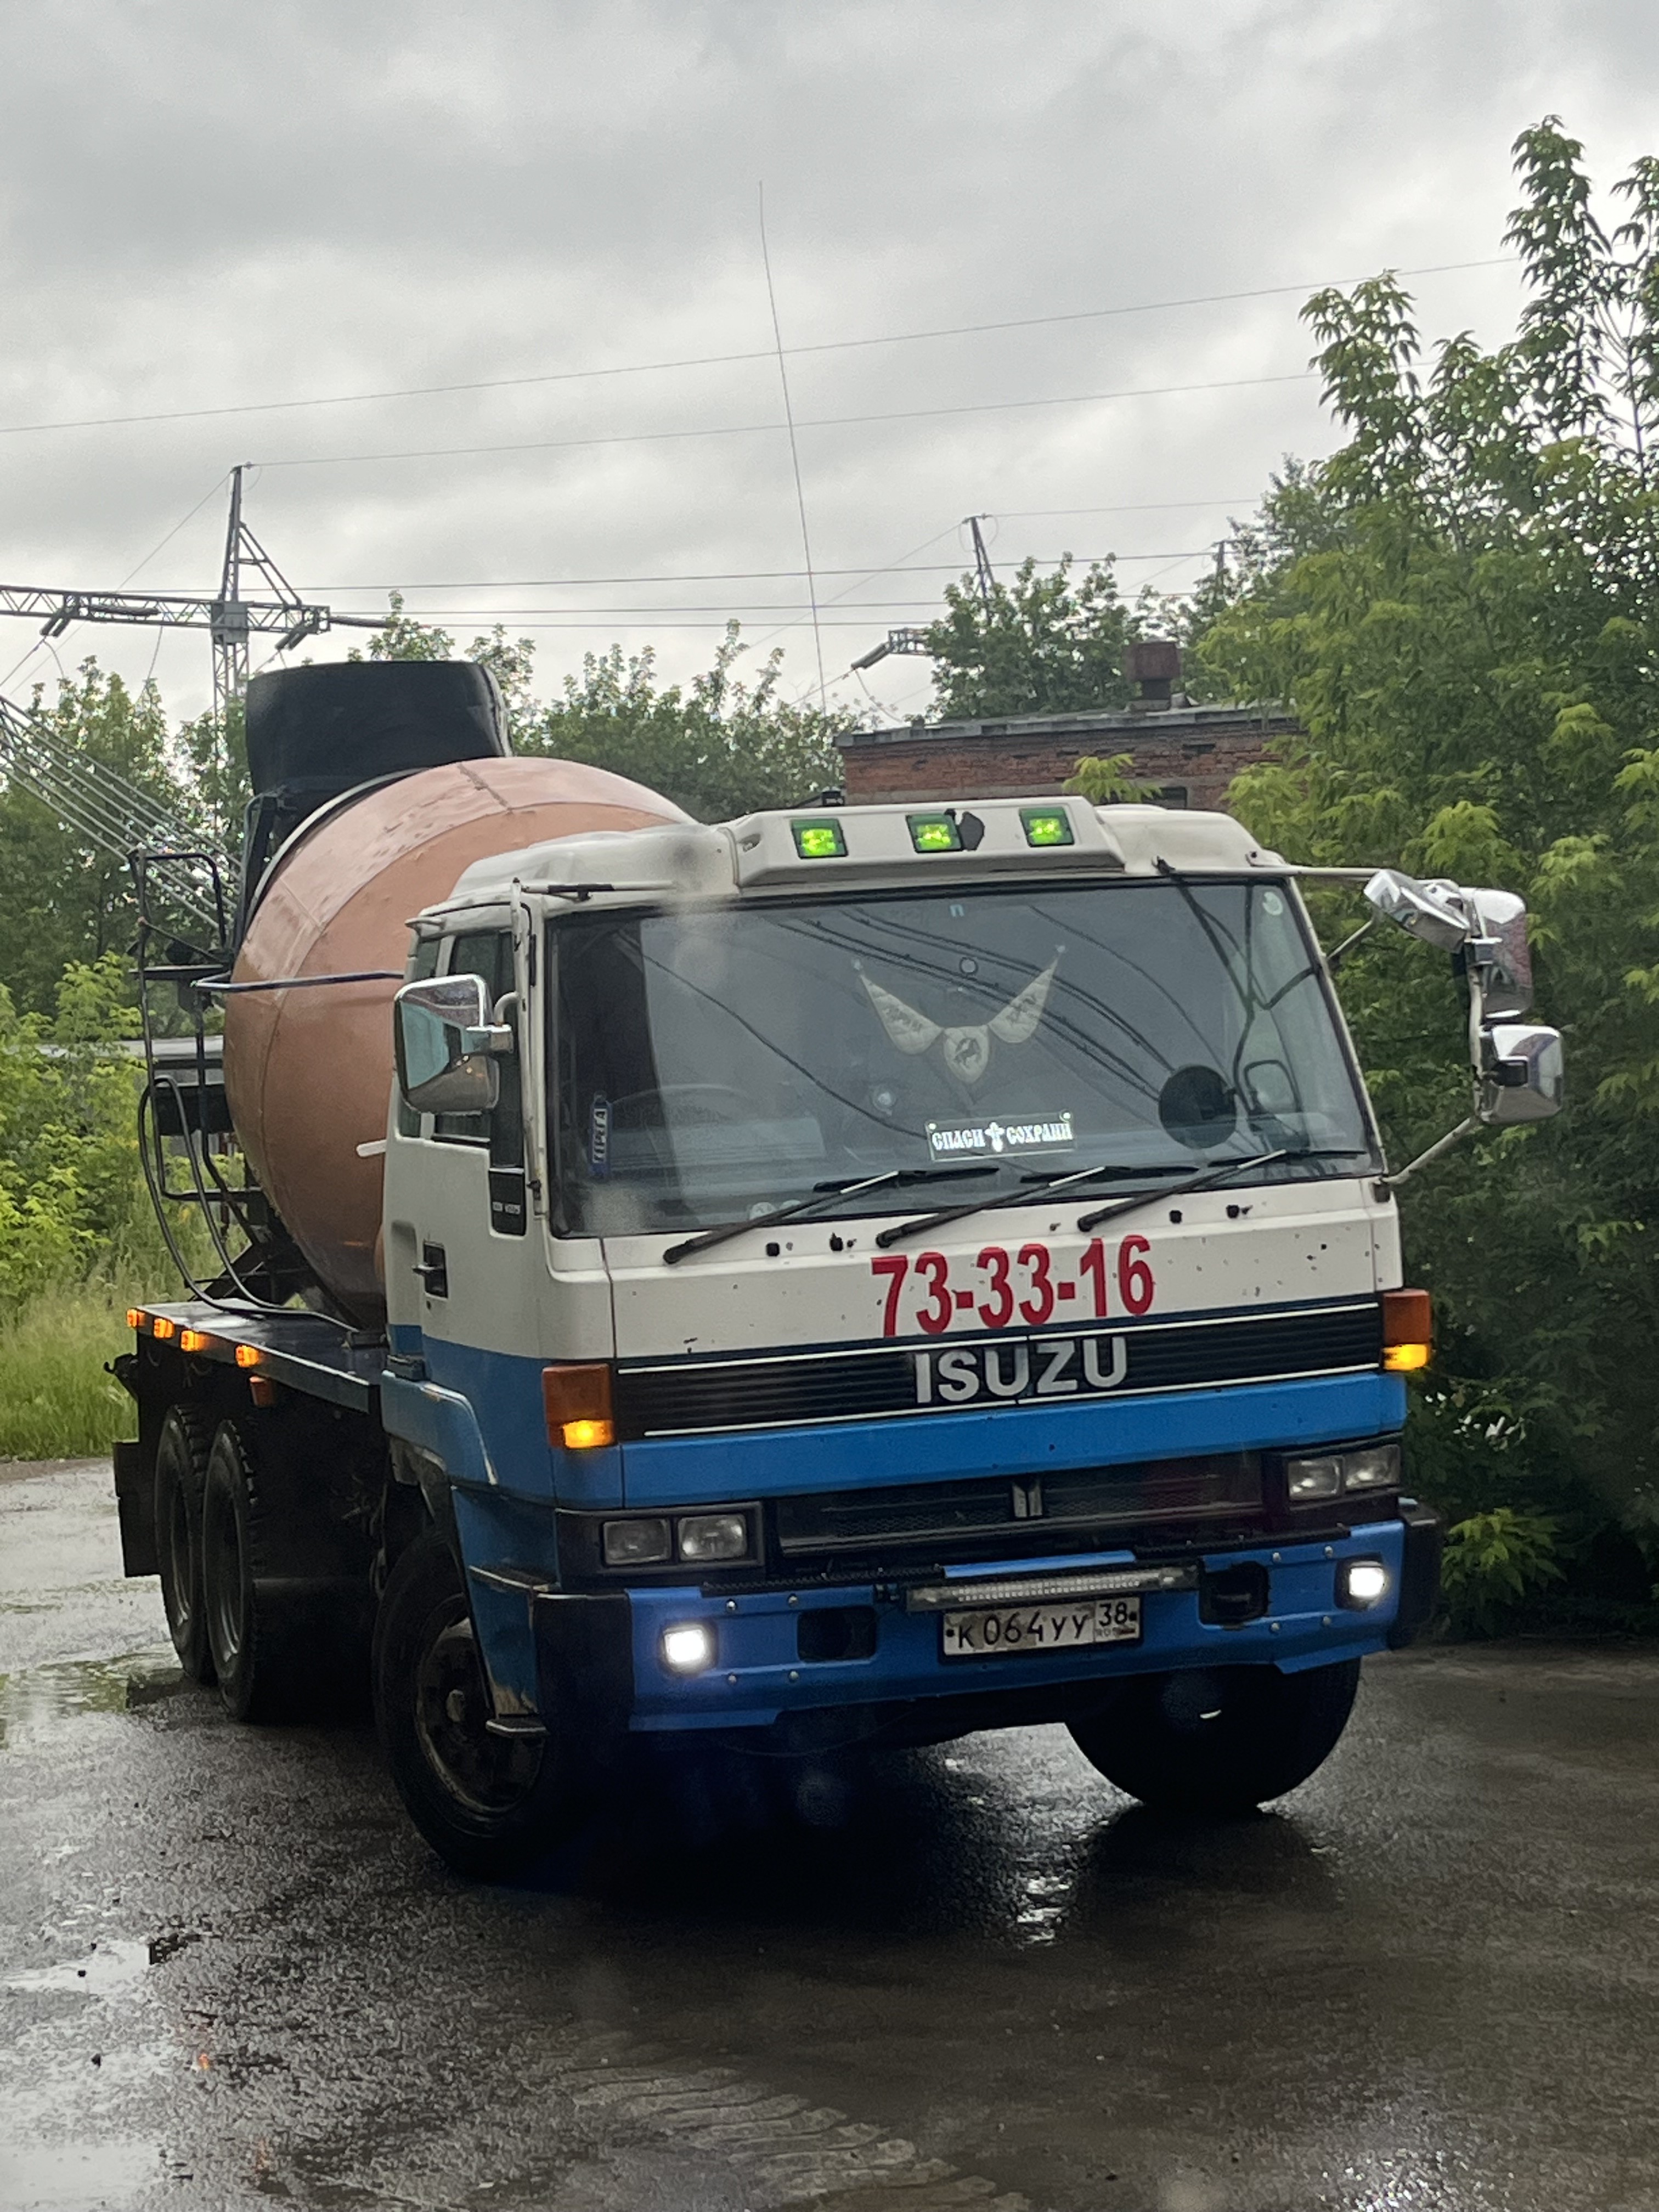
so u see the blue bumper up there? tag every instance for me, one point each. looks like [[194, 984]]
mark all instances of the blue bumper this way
[[758, 1675]]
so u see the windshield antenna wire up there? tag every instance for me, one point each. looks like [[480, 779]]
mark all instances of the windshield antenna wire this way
[[794, 455]]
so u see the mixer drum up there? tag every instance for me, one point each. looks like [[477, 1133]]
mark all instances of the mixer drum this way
[[309, 1073]]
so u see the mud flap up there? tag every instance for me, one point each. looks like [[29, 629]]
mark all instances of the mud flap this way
[[135, 1500]]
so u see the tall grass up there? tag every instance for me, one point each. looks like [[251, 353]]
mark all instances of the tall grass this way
[[55, 1400]]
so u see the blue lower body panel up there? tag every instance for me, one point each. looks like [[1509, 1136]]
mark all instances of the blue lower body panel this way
[[758, 1675], [506, 1514]]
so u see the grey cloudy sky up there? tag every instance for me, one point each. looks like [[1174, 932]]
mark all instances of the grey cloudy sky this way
[[206, 208]]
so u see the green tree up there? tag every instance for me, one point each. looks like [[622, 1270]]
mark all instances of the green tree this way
[[1040, 645], [61, 900], [722, 747], [1461, 607]]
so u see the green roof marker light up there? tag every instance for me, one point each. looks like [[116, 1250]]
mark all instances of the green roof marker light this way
[[819, 840], [1047, 826], [934, 833]]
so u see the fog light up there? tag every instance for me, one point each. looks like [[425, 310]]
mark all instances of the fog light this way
[[688, 1647], [635, 1543], [713, 1536], [1361, 1584], [1313, 1477]]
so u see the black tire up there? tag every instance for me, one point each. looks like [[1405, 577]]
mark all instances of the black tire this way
[[1218, 1740], [265, 1671], [486, 1804], [181, 1457]]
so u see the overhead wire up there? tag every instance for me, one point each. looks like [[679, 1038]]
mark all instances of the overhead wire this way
[[794, 448], [814, 423], [719, 360]]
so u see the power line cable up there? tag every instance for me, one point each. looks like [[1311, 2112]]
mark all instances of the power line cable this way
[[732, 575], [719, 359], [817, 422], [794, 449]]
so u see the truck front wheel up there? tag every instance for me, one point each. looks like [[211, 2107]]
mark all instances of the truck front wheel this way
[[1219, 1739], [181, 1456], [486, 1803]]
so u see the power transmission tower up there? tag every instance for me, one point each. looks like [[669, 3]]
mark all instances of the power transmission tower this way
[[230, 618], [983, 573]]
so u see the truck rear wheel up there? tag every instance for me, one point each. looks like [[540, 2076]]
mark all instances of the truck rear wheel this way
[[1219, 1739], [181, 1457], [257, 1653], [488, 1804]]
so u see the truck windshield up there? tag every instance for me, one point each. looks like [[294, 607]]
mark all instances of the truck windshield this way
[[715, 1063]]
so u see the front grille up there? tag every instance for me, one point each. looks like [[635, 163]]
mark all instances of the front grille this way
[[1219, 1487], [764, 1391]]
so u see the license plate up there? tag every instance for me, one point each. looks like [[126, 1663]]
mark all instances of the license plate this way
[[1001, 1632]]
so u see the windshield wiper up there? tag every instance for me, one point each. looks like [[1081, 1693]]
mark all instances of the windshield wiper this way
[[814, 1198], [1211, 1176], [1050, 1185]]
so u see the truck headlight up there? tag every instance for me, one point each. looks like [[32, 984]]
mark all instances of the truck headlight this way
[[707, 1536], [688, 1647], [1313, 1477], [1329, 1474], [641, 1543], [1376, 1467]]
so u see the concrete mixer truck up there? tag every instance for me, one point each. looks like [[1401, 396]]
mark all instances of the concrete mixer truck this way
[[849, 1275]]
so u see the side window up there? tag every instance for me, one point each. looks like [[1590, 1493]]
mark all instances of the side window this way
[[425, 963], [489, 954]]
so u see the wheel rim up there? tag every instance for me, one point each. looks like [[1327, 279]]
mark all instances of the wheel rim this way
[[487, 1774], [221, 1546]]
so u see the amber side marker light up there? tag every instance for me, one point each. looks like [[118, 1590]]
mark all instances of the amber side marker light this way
[[578, 1403], [247, 1355], [1407, 1331], [163, 1328], [135, 1318], [194, 1339]]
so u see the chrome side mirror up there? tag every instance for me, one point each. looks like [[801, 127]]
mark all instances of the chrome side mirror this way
[[1433, 911], [445, 1045], [1500, 952], [1522, 1079]]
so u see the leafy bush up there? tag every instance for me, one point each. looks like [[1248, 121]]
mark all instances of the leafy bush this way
[[56, 1400], [1494, 1563], [73, 1203]]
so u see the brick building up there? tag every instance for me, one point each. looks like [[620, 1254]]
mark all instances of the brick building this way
[[1190, 754]]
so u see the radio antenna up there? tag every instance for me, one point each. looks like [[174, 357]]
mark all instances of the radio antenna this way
[[794, 457]]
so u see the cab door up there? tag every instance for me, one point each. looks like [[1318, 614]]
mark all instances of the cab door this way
[[458, 1241]]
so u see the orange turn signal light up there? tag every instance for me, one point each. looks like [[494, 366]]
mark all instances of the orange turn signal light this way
[[578, 1402], [162, 1326], [247, 1355], [1407, 1331]]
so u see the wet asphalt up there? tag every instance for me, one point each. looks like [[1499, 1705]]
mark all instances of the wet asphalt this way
[[231, 1974]]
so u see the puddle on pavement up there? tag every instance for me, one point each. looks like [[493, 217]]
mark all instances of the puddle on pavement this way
[[111, 1965], [35, 1699], [55, 2177]]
